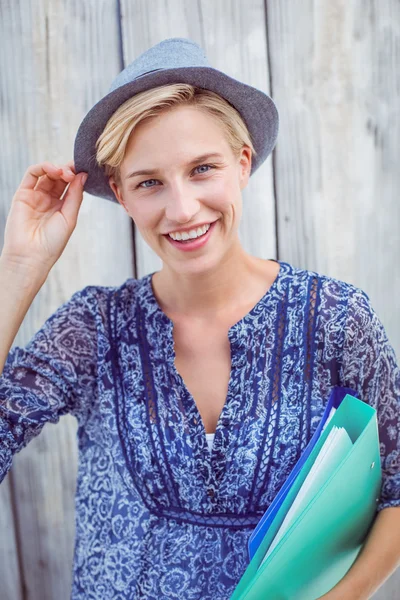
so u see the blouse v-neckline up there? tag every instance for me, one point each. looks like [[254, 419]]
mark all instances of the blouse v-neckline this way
[[237, 334], [157, 311]]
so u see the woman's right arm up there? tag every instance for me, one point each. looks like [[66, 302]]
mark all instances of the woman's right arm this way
[[56, 372]]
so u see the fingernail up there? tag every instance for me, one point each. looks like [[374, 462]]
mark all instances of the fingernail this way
[[83, 178]]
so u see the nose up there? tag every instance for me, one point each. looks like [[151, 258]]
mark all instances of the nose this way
[[182, 204]]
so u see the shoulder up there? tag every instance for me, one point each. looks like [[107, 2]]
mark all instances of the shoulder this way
[[118, 305], [330, 290], [94, 296]]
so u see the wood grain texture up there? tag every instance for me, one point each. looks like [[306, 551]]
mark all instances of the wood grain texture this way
[[335, 74], [58, 58], [232, 33], [10, 586]]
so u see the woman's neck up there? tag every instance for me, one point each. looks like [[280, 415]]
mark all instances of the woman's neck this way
[[238, 282]]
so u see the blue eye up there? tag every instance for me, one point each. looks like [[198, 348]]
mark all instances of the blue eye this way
[[209, 167], [147, 181], [151, 181]]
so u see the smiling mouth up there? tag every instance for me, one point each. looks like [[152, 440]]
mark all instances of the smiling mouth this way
[[192, 239], [193, 243]]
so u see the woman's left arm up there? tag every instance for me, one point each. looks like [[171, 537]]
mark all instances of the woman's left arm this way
[[378, 559], [370, 367]]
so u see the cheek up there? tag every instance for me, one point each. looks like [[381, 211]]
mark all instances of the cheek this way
[[221, 195], [144, 214], [230, 202]]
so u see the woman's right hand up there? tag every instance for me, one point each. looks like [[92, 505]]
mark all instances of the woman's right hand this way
[[42, 218]]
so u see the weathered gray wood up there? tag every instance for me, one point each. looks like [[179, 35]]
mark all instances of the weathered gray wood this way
[[58, 58], [232, 34], [10, 586], [336, 79]]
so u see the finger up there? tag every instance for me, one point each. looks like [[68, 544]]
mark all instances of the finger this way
[[73, 200], [55, 186], [32, 174], [71, 165]]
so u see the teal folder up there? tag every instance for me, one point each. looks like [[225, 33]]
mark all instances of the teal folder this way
[[325, 539]]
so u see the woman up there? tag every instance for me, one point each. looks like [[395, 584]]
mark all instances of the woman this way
[[197, 387]]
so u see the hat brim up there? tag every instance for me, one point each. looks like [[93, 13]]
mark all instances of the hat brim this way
[[256, 108]]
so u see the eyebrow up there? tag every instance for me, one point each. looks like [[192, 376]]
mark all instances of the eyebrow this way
[[201, 158]]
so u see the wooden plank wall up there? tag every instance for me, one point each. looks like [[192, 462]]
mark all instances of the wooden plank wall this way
[[326, 200]]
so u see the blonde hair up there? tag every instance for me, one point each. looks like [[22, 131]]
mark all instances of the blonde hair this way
[[111, 145]]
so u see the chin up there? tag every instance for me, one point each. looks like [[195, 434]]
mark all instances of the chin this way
[[198, 266]]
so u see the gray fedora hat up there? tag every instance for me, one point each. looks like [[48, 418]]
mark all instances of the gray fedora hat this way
[[174, 60]]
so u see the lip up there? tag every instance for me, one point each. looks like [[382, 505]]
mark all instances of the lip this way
[[196, 243]]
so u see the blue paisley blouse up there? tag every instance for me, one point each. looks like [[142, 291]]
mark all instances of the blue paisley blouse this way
[[157, 514]]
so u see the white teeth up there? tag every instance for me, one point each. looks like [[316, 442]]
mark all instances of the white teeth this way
[[192, 234]]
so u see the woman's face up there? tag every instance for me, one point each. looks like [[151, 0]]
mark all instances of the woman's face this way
[[179, 173]]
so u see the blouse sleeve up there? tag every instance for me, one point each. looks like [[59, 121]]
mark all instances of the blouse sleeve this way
[[54, 374], [370, 367]]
